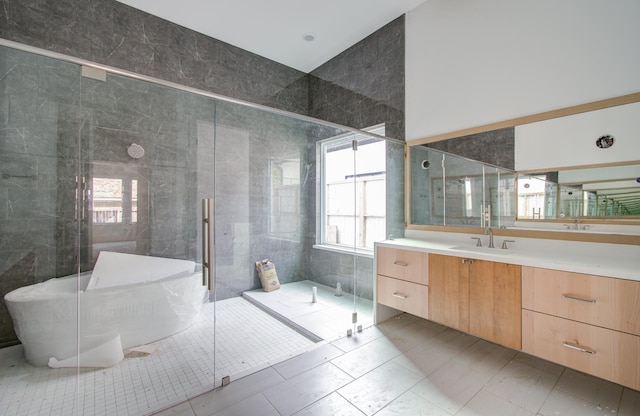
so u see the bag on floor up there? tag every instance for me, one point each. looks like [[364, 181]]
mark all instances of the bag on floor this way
[[268, 275]]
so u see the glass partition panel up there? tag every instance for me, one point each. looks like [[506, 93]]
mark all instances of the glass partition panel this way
[[40, 224], [146, 152]]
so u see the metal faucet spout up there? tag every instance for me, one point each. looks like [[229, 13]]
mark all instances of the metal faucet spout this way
[[489, 231]]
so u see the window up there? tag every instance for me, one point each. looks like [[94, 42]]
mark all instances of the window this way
[[353, 191]]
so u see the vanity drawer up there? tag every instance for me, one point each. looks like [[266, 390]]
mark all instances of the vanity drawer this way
[[611, 355], [405, 296], [602, 301], [409, 265]]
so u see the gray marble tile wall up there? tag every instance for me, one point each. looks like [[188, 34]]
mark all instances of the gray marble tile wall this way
[[364, 85], [112, 33], [250, 146]]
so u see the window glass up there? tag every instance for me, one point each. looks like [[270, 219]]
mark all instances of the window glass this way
[[353, 190]]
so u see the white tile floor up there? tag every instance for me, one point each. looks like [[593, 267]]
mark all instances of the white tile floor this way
[[411, 366], [181, 366]]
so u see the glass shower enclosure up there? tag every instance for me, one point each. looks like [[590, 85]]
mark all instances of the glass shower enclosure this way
[[111, 303]]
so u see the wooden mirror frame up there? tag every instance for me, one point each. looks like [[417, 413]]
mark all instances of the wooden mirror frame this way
[[584, 236]]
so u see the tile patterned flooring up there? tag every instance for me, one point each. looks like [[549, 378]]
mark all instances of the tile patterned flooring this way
[[178, 367], [411, 366]]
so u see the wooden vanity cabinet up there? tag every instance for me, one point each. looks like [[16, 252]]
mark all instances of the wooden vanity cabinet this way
[[402, 280], [586, 322], [480, 297]]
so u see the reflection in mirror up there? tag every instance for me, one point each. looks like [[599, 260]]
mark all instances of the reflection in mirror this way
[[284, 219], [451, 190], [537, 197], [608, 191]]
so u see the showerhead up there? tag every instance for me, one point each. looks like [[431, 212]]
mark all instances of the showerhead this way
[[135, 151]]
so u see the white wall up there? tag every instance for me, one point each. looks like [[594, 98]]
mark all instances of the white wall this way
[[571, 140], [475, 62]]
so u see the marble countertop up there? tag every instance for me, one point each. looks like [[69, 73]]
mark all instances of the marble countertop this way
[[598, 259]]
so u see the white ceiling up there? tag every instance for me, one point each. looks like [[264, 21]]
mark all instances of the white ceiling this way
[[274, 28]]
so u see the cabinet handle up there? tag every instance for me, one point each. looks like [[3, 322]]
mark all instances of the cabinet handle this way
[[400, 263], [565, 296], [399, 295], [577, 348], [465, 261]]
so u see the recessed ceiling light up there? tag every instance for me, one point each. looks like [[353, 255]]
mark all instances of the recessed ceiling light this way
[[309, 37]]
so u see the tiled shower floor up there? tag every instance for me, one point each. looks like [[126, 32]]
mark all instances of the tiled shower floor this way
[[181, 366], [327, 319]]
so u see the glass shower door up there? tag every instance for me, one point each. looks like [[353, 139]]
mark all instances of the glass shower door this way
[[146, 164]]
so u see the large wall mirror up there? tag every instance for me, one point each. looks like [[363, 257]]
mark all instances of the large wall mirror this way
[[575, 175]]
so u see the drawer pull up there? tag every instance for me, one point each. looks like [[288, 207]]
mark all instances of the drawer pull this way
[[579, 299], [399, 295], [400, 263], [577, 348]]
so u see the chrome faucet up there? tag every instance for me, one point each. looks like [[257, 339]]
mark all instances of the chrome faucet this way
[[489, 231]]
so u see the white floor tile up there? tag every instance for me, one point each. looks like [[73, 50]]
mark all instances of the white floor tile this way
[[297, 365], [630, 403], [376, 389], [183, 409], [358, 339], [539, 363], [331, 405], [456, 382], [560, 403], [299, 392], [426, 358], [592, 389], [238, 390], [412, 335], [486, 404], [411, 404], [254, 405], [366, 358], [522, 385]]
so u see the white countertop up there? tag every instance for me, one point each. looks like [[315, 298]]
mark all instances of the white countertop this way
[[611, 260]]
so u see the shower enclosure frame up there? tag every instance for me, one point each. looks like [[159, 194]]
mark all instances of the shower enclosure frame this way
[[98, 70]]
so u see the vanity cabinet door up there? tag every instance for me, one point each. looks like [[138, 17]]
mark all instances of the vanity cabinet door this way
[[605, 353], [480, 297], [495, 302], [402, 264], [449, 291], [405, 296], [602, 301]]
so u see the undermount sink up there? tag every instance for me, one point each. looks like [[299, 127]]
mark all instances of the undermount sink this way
[[485, 250]]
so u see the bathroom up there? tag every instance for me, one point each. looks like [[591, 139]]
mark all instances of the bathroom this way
[[292, 92], [170, 148]]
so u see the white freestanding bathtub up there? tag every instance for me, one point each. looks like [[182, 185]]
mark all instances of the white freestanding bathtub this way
[[88, 320]]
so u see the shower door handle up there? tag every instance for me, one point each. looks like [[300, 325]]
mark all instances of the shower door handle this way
[[207, 243]]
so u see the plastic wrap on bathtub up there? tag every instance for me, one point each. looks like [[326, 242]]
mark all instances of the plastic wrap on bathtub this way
[[48, 315], [119, 269]]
